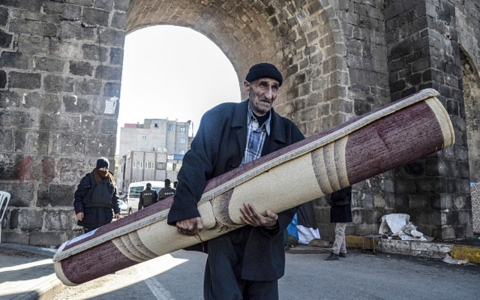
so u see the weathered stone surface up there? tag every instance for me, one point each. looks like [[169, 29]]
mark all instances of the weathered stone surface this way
[[81, 68], [108, 73], [33, 27], [94, 52], [92, 17], [88, 87], [74, 31], [16, 237], [112, 89], [61, 220], [47, 64], [47, 239], [76, 104], [15, 119], [3, 16], [65, 11], [29, 81], [55, 195], [56, 84], [30, 220], [3, 79]]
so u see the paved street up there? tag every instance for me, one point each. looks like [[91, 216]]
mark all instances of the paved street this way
[[308, 276]]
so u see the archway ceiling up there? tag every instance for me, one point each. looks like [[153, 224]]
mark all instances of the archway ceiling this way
[[242, 29]]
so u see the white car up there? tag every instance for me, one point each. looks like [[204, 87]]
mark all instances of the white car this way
[[125, 209]]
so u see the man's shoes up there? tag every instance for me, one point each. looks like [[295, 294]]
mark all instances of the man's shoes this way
[[332, 257], [342, 254]]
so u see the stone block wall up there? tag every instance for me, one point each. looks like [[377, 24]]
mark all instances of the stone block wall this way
[[60, 74], [61, 68]]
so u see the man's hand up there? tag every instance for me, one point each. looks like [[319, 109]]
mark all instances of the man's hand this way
[[80, 216], [190, 226], [252, 217], [117, 216]]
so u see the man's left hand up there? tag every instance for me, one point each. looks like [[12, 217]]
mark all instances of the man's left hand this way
[[252, 217]]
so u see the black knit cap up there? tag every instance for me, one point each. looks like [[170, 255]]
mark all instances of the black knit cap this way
[[102, 162], [264, 70]]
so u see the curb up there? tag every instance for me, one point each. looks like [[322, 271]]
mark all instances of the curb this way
[[44, 291], [50, 286], [415, 248]]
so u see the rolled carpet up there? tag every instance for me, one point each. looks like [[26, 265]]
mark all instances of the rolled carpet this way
[[391, 136]]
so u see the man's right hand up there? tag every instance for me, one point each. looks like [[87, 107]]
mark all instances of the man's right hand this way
[[80, 216], [190, 226]]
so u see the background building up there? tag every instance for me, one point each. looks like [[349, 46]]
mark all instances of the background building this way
[[151, 151]]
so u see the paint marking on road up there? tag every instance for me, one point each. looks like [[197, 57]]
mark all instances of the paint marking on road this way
[[158, 290], [147, 272]]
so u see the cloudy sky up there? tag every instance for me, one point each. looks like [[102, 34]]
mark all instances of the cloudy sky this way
[[175, 73]]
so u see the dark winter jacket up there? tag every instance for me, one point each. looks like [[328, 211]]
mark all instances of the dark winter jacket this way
[[94, 217], [217, 148], [149, 192], [340, 201]]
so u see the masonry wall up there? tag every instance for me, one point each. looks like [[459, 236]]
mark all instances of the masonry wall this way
[[60, 74]]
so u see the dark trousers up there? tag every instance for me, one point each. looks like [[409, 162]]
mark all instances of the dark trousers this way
[[223, 272]]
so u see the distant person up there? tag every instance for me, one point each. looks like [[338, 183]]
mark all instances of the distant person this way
[[340, 214], [175, 183], [96, 197], [167, 191], [147, 197]]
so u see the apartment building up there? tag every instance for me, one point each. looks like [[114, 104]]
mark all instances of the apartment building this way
[[151, 151]]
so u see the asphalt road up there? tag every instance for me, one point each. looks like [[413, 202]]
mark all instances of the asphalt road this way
[[308, 276]]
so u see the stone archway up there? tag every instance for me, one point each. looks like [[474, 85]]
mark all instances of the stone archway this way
[[297, 37], [471, 92]]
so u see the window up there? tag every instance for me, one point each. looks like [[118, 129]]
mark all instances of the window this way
[[156, 125], [144, 137], [182, 141], [182, 129], [170, 127], [182, 152]]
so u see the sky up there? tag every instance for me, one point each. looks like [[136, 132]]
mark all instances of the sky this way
[[173, 72]]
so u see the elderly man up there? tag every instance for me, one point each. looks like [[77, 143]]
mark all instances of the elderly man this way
[[245, 263]]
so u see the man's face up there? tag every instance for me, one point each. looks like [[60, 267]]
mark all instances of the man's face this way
[[262, 93]]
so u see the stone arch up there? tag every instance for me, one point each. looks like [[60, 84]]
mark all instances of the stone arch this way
[[298, 37], [471, 93]]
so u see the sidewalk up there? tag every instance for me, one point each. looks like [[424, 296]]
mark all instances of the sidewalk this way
[[26, 272]]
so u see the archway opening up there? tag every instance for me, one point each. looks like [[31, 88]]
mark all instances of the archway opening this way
[[172, 72]]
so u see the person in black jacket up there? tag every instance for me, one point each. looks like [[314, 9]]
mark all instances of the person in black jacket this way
[[340, 214], [147, 197], [167, 191], [245, 263], [95, 198]]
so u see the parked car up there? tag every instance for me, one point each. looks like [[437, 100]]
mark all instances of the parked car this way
[[125, 209]]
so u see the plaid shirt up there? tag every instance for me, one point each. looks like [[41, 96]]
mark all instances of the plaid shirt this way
[[255, 137]]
